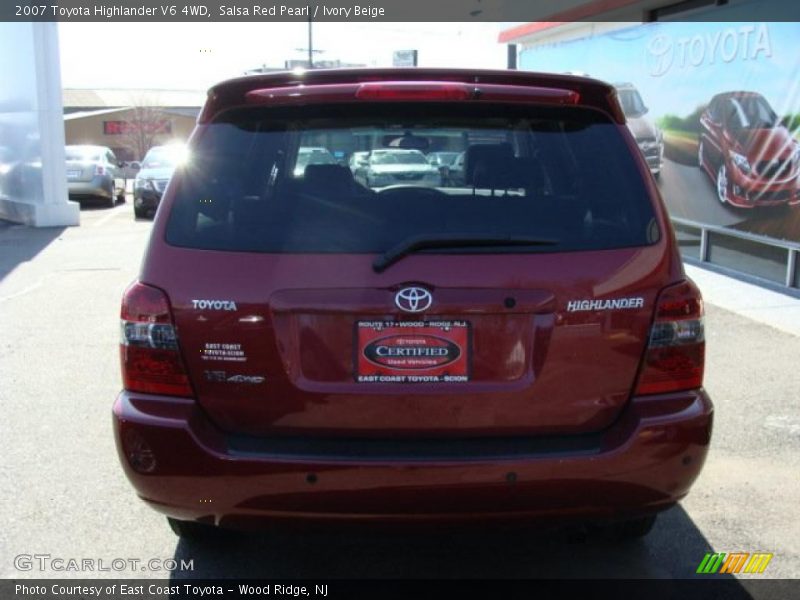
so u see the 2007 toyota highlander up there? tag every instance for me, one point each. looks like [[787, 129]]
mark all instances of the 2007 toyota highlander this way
[[523, 344]]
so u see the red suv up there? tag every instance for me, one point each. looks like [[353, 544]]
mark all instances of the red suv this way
[[522, 344], [745, 149]]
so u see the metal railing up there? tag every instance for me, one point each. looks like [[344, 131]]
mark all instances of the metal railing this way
[[705, 235]]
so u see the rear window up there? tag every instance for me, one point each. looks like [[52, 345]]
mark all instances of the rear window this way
[[398, 157], [631, 102], [84, 154], [561, 174], [312, 156], [163, 157]]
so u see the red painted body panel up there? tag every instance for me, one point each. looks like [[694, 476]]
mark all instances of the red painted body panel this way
[[522, 357], [760, 146]]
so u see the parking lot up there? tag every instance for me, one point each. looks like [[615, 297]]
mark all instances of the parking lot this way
[[66, 496]]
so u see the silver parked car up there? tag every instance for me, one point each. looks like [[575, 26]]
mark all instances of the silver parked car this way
[[442, 159], [94, 172], [397, 167], [312, 156], [358, 160]]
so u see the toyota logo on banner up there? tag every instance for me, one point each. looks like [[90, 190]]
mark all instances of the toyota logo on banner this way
[[413, 299]]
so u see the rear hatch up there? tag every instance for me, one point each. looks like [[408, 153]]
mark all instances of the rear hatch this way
[[519, 303]]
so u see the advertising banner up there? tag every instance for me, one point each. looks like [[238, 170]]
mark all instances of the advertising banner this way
[[714, 107]]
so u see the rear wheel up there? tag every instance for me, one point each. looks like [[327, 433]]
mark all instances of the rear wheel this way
[[139, 212], [111, 200]]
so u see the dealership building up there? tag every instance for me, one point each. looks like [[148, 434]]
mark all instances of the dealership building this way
[[106, 117]]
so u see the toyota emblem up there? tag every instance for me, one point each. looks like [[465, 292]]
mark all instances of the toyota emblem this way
[[413, 299]]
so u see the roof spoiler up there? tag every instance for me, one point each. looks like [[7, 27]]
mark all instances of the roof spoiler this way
[[409, 84]]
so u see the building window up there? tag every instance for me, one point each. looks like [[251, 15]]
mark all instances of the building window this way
[[683, 10], [156, 126]]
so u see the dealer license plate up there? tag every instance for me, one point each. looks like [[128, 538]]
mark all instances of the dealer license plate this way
[[412, 351]]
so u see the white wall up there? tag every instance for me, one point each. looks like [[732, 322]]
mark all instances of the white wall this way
[[33, 182]]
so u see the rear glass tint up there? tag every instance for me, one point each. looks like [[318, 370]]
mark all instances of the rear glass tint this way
[[161, 158], [347, 179], [82, 153]]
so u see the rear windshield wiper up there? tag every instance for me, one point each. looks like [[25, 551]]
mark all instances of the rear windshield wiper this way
[[453, 240]]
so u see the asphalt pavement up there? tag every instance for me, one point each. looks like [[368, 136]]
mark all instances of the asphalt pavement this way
[[690, 194], [64, 493]]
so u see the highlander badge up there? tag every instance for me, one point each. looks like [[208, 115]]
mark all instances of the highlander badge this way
[[614, 303]]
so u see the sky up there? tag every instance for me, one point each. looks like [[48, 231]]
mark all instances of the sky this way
[[198, 55]]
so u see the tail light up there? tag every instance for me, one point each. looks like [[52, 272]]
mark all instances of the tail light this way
[[400, 91], [151, 361], [99, 170], [675, 354]]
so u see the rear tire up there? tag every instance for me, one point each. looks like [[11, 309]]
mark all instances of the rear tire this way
[[632, 529], [192, 530], [139, 213]]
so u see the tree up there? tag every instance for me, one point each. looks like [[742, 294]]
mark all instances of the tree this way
[[146, 123]]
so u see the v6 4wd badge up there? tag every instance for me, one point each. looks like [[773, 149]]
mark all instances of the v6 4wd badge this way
[[223, 377]]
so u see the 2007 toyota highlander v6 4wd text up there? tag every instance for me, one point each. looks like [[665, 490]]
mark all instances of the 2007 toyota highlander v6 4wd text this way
[[523, 344]]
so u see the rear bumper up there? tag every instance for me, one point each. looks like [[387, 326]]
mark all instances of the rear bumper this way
[[97, 187], [187, 469]]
